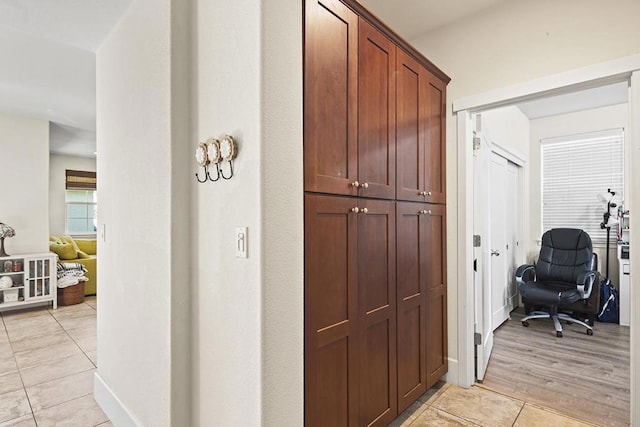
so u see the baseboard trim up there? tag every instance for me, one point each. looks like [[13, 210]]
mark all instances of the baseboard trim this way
[[451, 376], [111, 405]]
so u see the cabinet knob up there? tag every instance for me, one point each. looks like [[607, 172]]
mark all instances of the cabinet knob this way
[[422, 193], [425, 212], [364, 211], [355, 210], [427, 193], [355, 184], [365, 185], [429, 212]]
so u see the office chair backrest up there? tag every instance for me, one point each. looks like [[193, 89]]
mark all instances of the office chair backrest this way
[[565, 253]]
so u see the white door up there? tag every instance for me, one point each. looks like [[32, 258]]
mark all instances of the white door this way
[[498, 244], [504, 212], [482, 269], [512, 231]]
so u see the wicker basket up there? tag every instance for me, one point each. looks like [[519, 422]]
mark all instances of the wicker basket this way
[[71, 294]]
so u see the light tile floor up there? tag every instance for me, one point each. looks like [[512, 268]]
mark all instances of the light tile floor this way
[[448, 405], [47, 361], [48, 357]]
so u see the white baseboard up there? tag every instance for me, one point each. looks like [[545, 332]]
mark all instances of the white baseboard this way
[[452, 376], [111, 405]]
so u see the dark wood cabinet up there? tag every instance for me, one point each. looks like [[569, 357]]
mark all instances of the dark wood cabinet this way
[[350, 314], [375, 238], [420, 141]]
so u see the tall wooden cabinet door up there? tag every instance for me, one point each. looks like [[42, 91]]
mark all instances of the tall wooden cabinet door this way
[[330, 97], [410, 125], [331, 318], [376, 114], [436, 256], [435, 150], [377, 313], [411, 302]]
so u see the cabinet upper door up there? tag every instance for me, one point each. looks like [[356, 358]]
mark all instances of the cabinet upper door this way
[[420, 144], [376, 114], [330, 97], [435, 159], [410, 119]]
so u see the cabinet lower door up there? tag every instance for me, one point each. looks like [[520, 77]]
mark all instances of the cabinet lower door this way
[[411, 302], [330, 310], [436, 293], [377, 313]]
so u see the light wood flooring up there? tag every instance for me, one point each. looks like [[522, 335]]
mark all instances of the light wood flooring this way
[[583, 376]]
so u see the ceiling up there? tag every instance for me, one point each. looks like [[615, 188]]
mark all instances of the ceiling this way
[[588, 99], [48, 65]]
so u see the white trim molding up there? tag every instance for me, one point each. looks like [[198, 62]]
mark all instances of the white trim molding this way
[[613, 71], [111, 405], [633, 196]]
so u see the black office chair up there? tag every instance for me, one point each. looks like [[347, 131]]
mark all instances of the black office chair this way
[[565, 274]]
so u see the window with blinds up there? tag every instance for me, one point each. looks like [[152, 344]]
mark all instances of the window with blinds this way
[[81, 202], [575, 170]]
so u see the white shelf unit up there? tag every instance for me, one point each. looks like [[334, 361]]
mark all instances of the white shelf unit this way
[[35, 280]]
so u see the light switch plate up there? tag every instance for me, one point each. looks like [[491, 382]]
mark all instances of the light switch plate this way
[[242, 242]]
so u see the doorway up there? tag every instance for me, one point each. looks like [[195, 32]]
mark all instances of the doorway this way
[[464, 109]]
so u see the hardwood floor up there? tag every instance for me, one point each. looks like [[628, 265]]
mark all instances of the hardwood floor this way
[[584, 376]]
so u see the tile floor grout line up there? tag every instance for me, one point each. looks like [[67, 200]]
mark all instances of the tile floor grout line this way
[[519, 412]]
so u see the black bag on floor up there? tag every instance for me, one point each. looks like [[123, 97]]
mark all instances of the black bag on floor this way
[[609, 303]]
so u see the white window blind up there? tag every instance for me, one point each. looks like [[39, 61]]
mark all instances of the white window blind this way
[[575, 169]]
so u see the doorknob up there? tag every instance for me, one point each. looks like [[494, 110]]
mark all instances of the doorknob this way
[[496, 253]]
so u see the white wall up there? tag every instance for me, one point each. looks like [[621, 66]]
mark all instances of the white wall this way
[[143, 151], [57, 176], [227, 299], [510, 44], [509, 128], [24, 144], [616, 116], [247, 318]]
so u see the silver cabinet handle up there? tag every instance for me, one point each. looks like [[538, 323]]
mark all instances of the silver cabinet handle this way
[[495, 253]]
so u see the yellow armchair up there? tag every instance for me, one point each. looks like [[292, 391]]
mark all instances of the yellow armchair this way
[[82, 252]]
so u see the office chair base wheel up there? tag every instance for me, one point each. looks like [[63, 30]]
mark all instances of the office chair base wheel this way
[[525, 323], [559, 334], [589, 331]]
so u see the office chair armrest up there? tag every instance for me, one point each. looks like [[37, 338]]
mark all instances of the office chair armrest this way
[[522, 270], [584, 283]]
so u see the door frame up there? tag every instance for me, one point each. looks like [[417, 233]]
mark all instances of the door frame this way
[[623, 69]]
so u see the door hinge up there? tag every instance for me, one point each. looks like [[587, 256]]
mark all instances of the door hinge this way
[[476, 143], [476, 241], [477, 338]]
